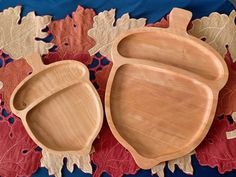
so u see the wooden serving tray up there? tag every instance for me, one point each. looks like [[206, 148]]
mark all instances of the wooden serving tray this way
[[58, 105], [162, 91]]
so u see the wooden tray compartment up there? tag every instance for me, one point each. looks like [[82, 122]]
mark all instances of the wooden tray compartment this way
[[162, 91], [58, 105]]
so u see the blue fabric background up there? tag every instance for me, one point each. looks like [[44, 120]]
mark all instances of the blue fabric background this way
[[153, 10]]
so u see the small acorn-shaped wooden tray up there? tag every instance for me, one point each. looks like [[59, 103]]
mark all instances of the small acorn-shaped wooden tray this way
[[162, 91], [58, 105]]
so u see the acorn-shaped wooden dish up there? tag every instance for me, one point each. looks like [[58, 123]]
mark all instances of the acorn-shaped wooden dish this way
[[59, 106], [162, 91]]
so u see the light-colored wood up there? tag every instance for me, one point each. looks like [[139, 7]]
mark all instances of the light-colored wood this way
[[59, 106], [162, 91], [183, 163], [54, 162]]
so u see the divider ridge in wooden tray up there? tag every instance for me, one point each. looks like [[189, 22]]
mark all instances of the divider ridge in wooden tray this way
[[59, 106], [162, 91]]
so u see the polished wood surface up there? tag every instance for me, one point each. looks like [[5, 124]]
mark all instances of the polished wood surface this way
[[162, 91], [58, 105]]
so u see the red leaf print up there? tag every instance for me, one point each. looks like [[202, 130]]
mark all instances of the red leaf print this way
[[4, 59], [216, 149], [54, 56], [164, 23], [18, 153], [70, 37], [101, 79], [111, 157], [227, 96], [11, 75]]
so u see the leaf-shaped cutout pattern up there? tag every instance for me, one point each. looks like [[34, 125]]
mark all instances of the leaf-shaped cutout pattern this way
[[216, 150], [163, 23], [104, 32], [184, 163], [159, 169], [10, 76], [54, 162], [101, 79], [4, 59], [18, 153], [219, 30], [18, 40], [232, 134], [71, 38]]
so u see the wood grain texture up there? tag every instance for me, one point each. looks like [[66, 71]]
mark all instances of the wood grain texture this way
[[162, 91], [59, 107]]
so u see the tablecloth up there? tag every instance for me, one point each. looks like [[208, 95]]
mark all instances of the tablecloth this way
[[153, 10]]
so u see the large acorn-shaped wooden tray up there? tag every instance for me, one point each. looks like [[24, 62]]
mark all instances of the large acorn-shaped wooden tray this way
[[162, 91], [59, 106]]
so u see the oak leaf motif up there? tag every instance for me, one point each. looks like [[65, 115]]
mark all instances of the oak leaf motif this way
[[104, 32], [219, 30], [18, 39]]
